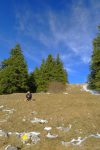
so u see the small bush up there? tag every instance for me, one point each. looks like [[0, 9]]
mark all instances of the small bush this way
[[56, 87]]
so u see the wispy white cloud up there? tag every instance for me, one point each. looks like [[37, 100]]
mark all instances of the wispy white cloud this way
[[70, 70], [73, 32], [31, 57], [6, 40]]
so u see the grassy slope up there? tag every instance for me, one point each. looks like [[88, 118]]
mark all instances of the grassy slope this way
[[78, 108]]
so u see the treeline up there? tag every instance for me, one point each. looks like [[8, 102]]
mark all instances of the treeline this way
[[94, 77], [14, 76]]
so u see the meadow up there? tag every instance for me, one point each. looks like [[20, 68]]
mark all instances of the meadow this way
[[73, 118]]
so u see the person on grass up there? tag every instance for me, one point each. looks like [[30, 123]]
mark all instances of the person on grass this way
[[28, 96]]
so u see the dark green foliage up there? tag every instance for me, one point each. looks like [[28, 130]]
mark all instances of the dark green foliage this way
[[31, 83], [94, 77], [13, 73], [60, 73], [50, 70], [40, 78]]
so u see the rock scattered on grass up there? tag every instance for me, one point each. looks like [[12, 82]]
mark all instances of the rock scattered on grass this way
[[95, 135], [64, 128], [23, 119], [7, 115], [79, 140], [10, 111], [35, 139], [3, 133], [47, 128], [1, 107], [51, 136], [34, 113], [74, 141], [38, 120], [65, 93], [4, 120], [9, 147], [47, 93], [33, 136]]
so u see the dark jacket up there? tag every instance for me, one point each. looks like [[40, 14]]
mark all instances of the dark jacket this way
[[29, 96]]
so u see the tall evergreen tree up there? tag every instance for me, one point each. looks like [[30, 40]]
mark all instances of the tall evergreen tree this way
[[50, 68], [94, 77], [31, 83], [43, 77], [13, 72], [37, 79], [40, 77], [60, 72]]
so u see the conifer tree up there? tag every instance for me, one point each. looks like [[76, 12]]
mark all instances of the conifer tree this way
[[37, 79], [60, 72], [13, 72], [43, 77], [40, 77], [94, 77], [31, 83], [50, 68]]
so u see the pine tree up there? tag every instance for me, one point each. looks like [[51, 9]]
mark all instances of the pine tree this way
[[94, 77], [37, 79], [40, 78], [13, 72], [43, 77], [60, 72], [50, 68], [31, 83]]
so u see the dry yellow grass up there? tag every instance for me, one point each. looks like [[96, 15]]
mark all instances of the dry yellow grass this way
[[78, 108]]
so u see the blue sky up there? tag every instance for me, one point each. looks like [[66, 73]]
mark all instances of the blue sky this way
[[41, 27]]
